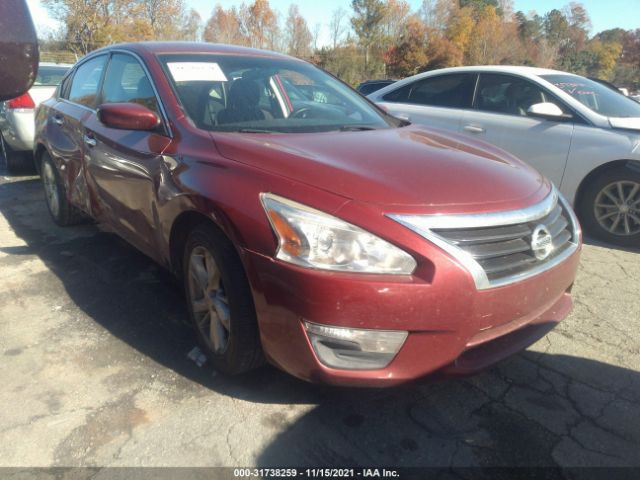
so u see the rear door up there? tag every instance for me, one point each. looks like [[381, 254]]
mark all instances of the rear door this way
[[124, 166], [436, 101], [500, 117], [64, 126]]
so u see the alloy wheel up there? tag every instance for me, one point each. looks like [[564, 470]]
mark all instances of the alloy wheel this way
[[50, 188], [617, 208], [208, 299]]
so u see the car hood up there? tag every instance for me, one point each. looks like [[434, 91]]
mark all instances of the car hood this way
[[411, 166], [630, 123]]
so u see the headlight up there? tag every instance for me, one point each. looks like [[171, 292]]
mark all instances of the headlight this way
[[311, 238]]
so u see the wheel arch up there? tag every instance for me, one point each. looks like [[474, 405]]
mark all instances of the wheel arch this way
[[38, 152], [595, 173], [184, 223]]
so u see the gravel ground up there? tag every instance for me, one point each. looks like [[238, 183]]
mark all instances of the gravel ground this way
[[94, 372]]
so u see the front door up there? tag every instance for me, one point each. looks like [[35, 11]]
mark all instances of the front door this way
[[500, 117], [124, 166]]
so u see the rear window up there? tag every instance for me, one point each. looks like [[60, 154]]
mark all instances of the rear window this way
[[452, 91], [595, 96], [49, 76]]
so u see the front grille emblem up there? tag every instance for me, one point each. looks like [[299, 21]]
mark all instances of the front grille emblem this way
[[541, 242]]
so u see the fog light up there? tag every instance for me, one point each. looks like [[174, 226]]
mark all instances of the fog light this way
[[354, 348]]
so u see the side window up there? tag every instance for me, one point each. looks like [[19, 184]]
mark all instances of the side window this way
[[126, 82], [452, 91], [400, 95], [449, 91], [508, 94], [84, 86]]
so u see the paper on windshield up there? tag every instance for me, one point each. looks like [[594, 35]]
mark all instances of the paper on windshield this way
[[196, 72]]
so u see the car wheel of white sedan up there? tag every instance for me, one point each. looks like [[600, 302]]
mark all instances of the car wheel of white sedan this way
[[611, 207]]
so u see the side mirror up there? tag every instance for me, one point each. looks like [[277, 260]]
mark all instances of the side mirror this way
[[127, 116], [547, 110], [18, 49]]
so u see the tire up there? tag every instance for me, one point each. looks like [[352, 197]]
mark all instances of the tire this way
[[232, 344], [610, 207], [55, 195], [11, 159]]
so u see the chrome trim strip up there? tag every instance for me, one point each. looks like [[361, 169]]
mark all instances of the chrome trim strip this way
[[495, 219], [423, 225], [576, 230], [468, 262]]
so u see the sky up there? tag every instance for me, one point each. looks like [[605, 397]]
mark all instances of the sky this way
[[604, 14]]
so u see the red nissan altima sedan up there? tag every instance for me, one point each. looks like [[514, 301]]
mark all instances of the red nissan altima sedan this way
[[309, 227]]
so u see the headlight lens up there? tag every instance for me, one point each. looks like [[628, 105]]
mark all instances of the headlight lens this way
[[311, 238]]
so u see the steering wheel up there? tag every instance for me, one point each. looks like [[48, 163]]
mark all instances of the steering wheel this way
[[302, 112]]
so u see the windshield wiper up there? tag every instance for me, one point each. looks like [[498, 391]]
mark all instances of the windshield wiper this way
[[356, 128]]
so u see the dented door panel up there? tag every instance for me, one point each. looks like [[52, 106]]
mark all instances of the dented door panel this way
[[124, 168]]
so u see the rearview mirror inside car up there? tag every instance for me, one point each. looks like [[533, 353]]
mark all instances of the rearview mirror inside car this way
[[128, 116], [547, 110], [18, 49]]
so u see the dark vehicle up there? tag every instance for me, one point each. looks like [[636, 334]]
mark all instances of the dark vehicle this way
[[18, 49], [370, 86], [308, 227], [610, 85]]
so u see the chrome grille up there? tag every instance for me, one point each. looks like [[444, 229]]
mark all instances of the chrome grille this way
[[498, 248], [506, 250]]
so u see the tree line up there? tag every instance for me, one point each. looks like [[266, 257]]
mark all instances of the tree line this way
[[370, 39]]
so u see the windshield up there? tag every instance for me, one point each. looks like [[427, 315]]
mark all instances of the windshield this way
[[49, 76], [595, 96], [257, 94]]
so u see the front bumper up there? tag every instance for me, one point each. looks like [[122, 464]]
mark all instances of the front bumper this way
[[453, 328]]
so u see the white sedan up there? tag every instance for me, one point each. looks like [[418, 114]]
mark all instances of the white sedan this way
[[578, 133], [17, 116]]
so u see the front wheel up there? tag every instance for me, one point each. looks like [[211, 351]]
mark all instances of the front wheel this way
[[220, 301], [610, 208]]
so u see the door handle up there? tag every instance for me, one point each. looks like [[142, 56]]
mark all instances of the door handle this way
[[473, 129], [90, 141], [403, 116], [58, 119]]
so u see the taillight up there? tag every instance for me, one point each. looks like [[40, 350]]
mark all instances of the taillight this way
[[23, 101]]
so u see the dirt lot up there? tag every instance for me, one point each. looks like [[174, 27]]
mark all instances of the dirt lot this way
[[94, 372]]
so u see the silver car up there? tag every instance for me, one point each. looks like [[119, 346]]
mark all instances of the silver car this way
[[17, 115], [580, 134]]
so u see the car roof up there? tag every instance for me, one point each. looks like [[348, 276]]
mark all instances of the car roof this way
[[53, 64], [367, 82], [159, 48], [533, 73], [527, 72], [521, 70]]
